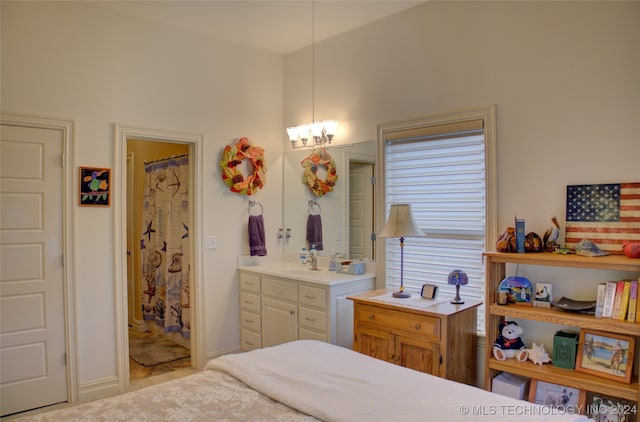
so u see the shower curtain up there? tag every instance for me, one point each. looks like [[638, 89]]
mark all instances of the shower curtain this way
[[165, 244]]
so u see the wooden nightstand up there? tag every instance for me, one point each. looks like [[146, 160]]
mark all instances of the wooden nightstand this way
[[435, 337]]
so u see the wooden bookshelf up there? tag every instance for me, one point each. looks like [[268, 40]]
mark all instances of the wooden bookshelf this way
[[495, 272]]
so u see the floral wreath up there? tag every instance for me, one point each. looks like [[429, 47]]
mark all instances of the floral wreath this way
[[233, 156], [318, 158]]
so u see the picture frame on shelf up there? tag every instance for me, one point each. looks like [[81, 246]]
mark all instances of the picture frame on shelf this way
[[557, 396], [543, 295], [607, 355], [603, 408]]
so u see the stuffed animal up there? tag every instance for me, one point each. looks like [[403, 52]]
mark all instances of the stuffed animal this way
[[509, 344]]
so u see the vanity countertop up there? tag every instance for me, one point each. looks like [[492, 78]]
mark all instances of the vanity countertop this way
[[303, 273]]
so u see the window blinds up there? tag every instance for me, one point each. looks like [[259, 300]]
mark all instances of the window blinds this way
[[440, 171]]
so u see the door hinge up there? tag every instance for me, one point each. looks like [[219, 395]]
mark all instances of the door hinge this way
[[62, 160], [373, 180], [373, 237], [440, 360]]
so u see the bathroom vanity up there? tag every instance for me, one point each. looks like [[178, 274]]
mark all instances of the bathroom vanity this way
[[285, 302]]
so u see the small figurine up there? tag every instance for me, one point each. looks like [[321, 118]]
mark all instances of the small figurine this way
[[550, 237], [509, 344], [538, 355], [503, 244], [533, 243], [587, 248]]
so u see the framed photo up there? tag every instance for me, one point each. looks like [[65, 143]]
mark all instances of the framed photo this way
[[543, 296], [606, 355], [602, 408], [429, 291], [95, 186], [554, 395]]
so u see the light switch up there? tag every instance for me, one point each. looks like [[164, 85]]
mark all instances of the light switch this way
[[211, 242]]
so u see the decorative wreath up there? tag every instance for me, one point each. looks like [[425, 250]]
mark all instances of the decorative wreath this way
[[233, 156], [316, 159]]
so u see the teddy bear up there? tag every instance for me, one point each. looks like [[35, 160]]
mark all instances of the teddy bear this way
[[509, 344]]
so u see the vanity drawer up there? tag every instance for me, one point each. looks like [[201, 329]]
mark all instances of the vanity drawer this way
[[250, 282], [250, 320], [249, 340], [250, 302], [312, 296], [312, 318], [280, 289], [385, 318]]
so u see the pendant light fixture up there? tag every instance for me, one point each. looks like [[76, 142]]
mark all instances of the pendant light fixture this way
[[321, 132]]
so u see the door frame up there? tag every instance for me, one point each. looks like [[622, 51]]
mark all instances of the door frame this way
[[195, 141], [68, 129]]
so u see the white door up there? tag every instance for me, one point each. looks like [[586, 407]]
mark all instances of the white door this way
[[360, 210], [32, 334]]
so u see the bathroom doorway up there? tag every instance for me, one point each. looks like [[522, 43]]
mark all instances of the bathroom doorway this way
[[138, 150], [158, 257]]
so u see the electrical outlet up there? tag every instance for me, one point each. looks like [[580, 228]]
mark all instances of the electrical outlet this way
[[211, 242]]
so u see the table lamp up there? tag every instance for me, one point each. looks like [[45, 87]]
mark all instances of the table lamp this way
[[457, 278], [401, 224]]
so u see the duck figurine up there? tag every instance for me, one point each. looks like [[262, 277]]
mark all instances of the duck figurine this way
[[550, 237]]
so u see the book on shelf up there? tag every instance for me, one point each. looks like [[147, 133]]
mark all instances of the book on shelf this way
[[624, 301], [600, 298], [617, 301], [633, 302], [609, 297]]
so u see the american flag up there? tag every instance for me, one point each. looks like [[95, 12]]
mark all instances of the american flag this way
[[605, 214]]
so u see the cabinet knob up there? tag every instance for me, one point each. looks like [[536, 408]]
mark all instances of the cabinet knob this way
[[292, 312], [310, 319], [309, 297], [278, 289], [417, 326], [371, 316]]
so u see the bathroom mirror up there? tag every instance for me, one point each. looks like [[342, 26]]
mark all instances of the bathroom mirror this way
[[346, 213]]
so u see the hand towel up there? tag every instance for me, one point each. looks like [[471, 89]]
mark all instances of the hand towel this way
[[314, 231], [257, 245]]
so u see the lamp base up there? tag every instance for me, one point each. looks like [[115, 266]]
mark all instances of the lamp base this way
[[457, 301], [401, 294]]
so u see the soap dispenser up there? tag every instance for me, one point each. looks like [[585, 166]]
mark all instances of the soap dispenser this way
[[333, 263]]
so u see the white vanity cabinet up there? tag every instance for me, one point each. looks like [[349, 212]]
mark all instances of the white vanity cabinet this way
[[277, 307]]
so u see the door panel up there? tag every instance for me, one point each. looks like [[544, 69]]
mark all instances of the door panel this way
[[375, 343], [32, 337], [419, 354]]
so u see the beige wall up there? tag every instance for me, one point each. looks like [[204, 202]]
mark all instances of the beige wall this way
[[79, 61], [563, 77], [144, 151]]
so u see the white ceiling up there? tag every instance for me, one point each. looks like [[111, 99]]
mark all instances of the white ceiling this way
[[276, 26]]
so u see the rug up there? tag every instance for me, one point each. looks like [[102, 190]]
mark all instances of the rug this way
[[154, 350]]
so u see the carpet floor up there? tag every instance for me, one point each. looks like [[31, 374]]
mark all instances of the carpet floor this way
[[155, 349]]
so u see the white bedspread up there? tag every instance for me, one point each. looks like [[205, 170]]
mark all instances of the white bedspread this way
[[337, 384]]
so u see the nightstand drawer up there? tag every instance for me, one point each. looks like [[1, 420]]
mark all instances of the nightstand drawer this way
[[250, 302], [280, 289], [250, 282], [313, 296], [312, 318], [395, 320], [250, 320]]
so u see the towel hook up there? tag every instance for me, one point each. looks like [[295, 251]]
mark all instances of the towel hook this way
[[310, 206], [253, 203]]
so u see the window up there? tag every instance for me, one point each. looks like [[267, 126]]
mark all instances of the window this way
[[445, 168]]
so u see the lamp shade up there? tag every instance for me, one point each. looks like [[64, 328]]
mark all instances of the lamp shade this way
[[293, 133], [401, 223]]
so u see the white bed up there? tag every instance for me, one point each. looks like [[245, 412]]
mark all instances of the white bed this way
[[303, 381]]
